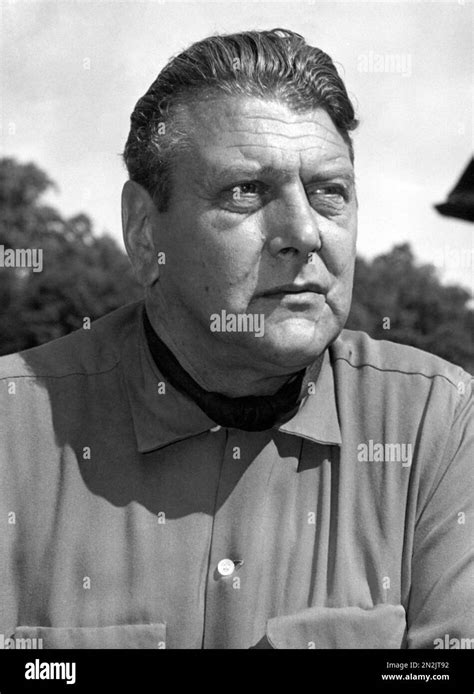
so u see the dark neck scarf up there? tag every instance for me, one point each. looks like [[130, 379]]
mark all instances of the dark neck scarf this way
[[250, 412]]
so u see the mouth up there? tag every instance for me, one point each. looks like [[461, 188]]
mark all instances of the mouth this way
[[308, 299], [292, 290]]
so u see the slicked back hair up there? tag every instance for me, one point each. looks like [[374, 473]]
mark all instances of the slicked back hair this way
[[276, 64]]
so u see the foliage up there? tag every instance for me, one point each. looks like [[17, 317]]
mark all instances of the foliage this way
[[421, 311], [85, 275]]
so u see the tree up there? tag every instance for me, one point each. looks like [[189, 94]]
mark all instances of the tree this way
[[397, 299], [83, 275]]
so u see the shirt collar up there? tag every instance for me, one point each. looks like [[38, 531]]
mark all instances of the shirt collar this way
[[161, 418], [317, 418]]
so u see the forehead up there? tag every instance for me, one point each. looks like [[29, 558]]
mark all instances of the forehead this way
[[256, 133]]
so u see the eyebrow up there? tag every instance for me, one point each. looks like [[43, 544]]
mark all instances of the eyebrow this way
[[235, 172]]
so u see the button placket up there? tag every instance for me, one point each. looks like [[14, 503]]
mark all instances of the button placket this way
[[230, 596]]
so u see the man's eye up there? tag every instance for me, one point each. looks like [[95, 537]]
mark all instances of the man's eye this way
[[243, 190], [244, 197], [332, 191], [328, 198]]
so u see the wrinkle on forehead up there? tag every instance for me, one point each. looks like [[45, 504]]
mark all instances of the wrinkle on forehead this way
[[259, 126], [313, 127], [252, 157], [340, 146], [284, 120], [235, 110], [224, 128], [258, 134], [324, 137]]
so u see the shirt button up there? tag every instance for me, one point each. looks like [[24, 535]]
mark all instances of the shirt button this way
[[226, 567]]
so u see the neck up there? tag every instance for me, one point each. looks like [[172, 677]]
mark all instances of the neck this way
[[212, 370]]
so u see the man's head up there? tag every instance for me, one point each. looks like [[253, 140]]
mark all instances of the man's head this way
[[242, 153]]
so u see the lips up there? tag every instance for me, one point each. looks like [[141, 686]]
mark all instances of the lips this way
[[293, 289]]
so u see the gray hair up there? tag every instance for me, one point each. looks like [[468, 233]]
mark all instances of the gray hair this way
[[276, 64]]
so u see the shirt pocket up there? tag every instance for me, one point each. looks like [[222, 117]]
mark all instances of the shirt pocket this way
[[383, 626], [121, 636]]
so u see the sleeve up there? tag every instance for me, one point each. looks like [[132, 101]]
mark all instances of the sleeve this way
[[440, 610]]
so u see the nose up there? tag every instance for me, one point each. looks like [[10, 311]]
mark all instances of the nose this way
[[294, 226]]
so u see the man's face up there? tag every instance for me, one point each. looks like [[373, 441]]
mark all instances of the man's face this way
[[262, 221]]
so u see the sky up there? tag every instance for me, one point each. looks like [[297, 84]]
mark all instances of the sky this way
[[71, 72]]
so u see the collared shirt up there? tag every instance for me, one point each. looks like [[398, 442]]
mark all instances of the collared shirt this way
[[130, 519]]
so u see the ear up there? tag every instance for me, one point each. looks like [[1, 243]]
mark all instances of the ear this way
[[140, 222]]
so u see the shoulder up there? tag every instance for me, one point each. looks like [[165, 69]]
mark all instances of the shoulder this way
[[398, 381], [360, 354], [83, 352]]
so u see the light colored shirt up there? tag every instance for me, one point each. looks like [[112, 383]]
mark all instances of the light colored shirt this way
[[128, 518]]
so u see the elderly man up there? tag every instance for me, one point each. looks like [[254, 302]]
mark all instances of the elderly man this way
[[221, 465]]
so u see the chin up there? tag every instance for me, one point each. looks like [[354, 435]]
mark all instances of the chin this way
[[297, 343]]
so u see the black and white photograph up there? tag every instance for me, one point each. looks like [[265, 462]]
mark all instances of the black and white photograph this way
[[236, 339]]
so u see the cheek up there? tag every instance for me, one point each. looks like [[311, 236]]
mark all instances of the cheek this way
[[339, 257], [339, 251], [230, 259]]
